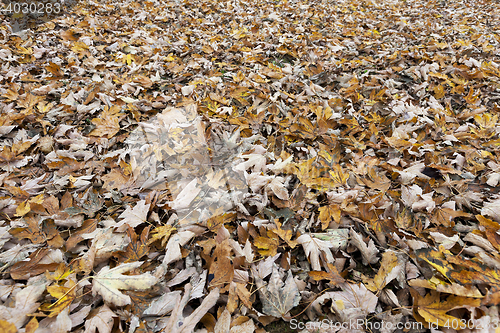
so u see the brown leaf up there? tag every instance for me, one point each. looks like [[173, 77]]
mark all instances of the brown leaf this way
[[33, 232], [136, 249], [24, 269], [221, 270], [389, 269], [433, 309], [332, 275], [88, 227]]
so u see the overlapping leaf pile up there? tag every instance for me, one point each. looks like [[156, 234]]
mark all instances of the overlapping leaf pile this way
[[213, 165]]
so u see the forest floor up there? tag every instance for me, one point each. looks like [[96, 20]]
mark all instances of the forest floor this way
[[250, 166]]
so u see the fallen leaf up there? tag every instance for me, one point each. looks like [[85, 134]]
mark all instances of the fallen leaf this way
[[108, 283], [133, 216], [100, 319], [278, 297]]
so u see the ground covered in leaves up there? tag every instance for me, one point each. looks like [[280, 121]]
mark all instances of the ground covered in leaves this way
[[241, 166]]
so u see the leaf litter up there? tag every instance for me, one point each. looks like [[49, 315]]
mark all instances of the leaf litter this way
[[181, 166]]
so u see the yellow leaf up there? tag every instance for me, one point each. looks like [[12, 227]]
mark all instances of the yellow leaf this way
[[267, 246], [6, 327], [439, 285], [329, 213], [64, 296], [32, 326], [436, 259], [163, 232], [386, 273], [433, 309], [61, 273], [439, 91], [23, 208], [338, 175], [285, 235]]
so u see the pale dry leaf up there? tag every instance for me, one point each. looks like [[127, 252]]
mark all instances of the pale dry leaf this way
[[278, 297], [223, 323], [368, 252], [133, 216], [186, 196], [247, 327], [59, 324], [174, 246], [313, 247], [247, 251], [108, 283], [100, 319], [352, 303], [264, 267], [163, 304], [79, 317], [442, 240], [25, 304], [279, 188], [493, 179], [492, 209], [180, 324]]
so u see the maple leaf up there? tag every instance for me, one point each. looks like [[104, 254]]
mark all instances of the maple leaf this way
[[352, 303], [221, 269], [64, 297], [278, 297], [285, 235], [389, 270], [108, 283], [132, 217], [100, 319], [33, 231], [332, 275], [137, 248], [368, 252], [433, 310], [313, 247], [268, 246], [436, 259], [328, 214], [162, 232], [108, 124], [25, 304]]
